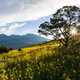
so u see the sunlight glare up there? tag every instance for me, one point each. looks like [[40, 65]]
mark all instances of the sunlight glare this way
[[73, 31]]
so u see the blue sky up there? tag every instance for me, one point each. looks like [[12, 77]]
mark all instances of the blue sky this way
[[31, 26], [24, 16], [23, 27]]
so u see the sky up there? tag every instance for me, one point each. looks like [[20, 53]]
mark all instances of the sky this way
[[24, 16]]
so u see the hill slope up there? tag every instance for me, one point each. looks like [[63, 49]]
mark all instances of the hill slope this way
[[30, 52], [16, 41]]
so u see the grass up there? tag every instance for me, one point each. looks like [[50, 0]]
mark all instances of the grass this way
[[28, 53], [25, 57], [41, 62]]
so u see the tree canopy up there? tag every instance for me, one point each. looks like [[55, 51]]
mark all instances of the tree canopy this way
[[62, 22]]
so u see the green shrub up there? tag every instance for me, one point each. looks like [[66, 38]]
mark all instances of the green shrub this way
[[64, 65], [3, 49]]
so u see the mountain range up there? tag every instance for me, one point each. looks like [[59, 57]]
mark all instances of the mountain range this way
[[19, 41]]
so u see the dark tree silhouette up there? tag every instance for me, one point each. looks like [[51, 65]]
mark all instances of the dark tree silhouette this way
[[3, 49], [19, 49], [61, 23]]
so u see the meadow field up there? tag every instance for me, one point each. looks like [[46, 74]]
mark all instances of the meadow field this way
[[48, 61]]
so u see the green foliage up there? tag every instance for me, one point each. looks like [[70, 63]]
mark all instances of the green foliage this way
[[64, 64], [3, 49], [19, 49], [60, 66], [18, 71], [61, 23]]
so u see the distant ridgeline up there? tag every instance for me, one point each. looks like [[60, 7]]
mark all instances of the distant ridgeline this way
[[16, 41]]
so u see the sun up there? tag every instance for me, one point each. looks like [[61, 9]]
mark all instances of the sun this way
[[73, 31]]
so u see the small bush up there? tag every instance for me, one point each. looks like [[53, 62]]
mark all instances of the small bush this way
[[3, 49], [11, 49], [19, 49]]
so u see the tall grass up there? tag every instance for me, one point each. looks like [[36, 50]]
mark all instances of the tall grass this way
[[63, 65]]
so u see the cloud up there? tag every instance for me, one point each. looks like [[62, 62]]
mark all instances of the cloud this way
[[23, 27], [13, 12], [10, 28], [19, 10]]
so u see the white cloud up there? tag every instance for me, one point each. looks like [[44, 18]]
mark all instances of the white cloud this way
[[19, 10], [25, 10], [10, 29]]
